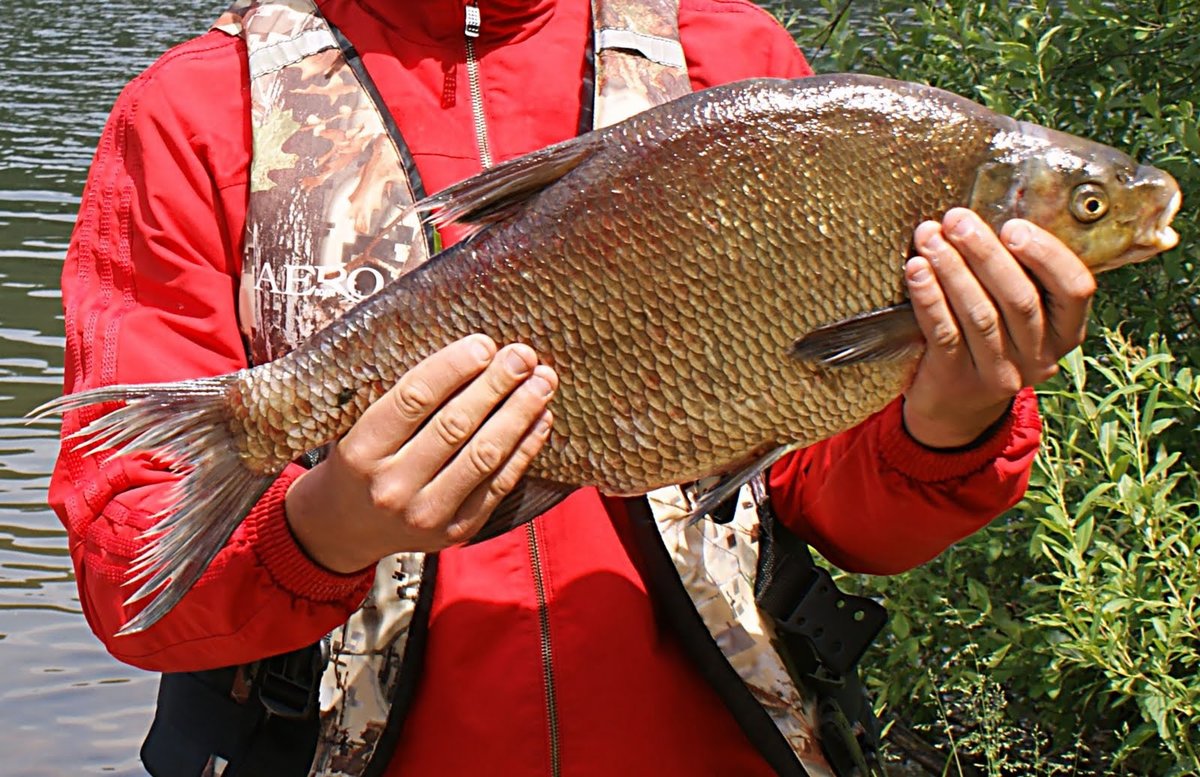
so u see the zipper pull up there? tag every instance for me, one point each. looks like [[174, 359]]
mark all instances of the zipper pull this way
[[473, 21]]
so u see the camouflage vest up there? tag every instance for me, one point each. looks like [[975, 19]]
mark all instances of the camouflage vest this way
[[328, 183]]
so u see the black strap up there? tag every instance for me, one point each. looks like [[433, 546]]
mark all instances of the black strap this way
[[587, 102], [410, 671], [805, 602], [823, 633]]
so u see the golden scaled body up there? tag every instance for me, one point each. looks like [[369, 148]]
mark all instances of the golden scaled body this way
[[665, 279]]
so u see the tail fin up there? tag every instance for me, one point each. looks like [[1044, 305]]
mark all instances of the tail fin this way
[[188, 422]]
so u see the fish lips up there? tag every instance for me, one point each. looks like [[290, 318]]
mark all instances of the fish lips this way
[[1162, 236]]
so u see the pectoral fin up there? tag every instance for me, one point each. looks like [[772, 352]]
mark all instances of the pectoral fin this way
[[888, 334]]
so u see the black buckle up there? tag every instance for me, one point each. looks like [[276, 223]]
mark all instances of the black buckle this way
[[287, 684], [839, 626]]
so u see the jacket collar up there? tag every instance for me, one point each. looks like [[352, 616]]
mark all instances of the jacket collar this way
[[442, 22]]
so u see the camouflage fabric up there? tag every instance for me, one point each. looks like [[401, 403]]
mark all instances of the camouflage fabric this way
[[327, 226], [364, 667], [717, 564], [639, 61]]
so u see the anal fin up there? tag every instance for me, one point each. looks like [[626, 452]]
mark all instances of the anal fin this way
[[531, 498]]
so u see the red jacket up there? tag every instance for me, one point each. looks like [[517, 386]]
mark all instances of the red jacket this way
[[149, 291]]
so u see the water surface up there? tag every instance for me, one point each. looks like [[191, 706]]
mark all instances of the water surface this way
[[66, 707]]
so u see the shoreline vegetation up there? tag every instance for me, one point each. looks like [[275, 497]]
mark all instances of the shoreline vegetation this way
[[1062, 640]]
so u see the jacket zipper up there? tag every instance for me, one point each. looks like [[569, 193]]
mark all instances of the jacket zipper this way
[[471, 32], [547, 654]]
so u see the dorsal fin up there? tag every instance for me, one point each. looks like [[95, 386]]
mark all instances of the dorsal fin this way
[[495, 193]]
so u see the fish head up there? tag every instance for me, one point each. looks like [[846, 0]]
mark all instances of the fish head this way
[[1110, 210]]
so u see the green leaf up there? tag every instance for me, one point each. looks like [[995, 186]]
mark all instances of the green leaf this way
[[1083, 536], [1115, 605], [899, 625], [1084, 508], [978, 595], [1190, 137], [1047, 38]]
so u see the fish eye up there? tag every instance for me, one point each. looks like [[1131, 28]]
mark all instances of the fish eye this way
[[1089, 202]]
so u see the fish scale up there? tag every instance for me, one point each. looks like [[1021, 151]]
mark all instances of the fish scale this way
[[719, 233], [716, 281]]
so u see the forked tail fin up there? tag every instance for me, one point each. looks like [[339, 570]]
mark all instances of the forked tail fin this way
[[188, 423]]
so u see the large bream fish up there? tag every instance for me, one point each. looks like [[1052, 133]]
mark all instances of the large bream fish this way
[[716, 281]]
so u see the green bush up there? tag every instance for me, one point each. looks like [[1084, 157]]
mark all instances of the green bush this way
[[1064, 639], [1082, 603]]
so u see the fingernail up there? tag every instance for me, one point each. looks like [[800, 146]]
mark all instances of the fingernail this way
[[539, 385], [935, 243], [1018, 234], [516, 363], [543, 425], [481, 350], [963, 228], [920, 273]]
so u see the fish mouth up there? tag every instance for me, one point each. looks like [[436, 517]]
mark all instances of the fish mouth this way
[[1164, 238]]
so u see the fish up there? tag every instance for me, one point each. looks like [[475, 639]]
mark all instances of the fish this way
[[717, 281]]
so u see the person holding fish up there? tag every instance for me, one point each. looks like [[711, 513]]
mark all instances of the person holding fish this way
[[435, 529]]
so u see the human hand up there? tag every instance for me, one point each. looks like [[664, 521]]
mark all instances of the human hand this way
[[429, 461], [990, 328]]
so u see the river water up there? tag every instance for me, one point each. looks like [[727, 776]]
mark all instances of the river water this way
[[66, 707]]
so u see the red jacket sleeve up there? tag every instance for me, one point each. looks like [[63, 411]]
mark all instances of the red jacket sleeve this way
[[874, 500], [149, 295]]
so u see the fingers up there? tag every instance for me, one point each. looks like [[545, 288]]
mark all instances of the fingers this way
[[460, 417], [1003, 316], [990, 329], [1014, 295], [392, 419], [494, 458], [427, 462], [479, 505], [1068, 283], [933, 313], [978, 319]]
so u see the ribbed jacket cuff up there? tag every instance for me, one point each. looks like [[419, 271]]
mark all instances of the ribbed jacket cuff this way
[[912, 459], [272, 541]]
